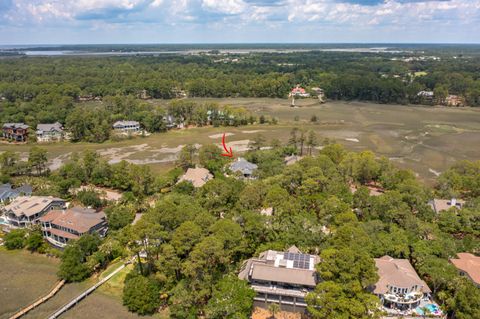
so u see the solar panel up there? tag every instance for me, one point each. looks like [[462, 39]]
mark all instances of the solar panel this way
[[301, 261]]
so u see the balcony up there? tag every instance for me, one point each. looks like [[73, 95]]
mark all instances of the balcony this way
[[406, 299], [300, 293]]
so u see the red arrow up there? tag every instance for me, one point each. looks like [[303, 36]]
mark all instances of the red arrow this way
[[228, 153]]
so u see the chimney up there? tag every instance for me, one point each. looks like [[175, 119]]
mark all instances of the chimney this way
[[453, 203]]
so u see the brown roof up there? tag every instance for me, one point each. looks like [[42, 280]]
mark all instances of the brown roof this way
[[398, 273], [78, 218], [197, 176], [470, 264], [286, 275], [30, 205]]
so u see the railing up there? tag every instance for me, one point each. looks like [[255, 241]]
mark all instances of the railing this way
[[280, 291]]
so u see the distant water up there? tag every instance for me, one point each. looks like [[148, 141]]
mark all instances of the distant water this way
[[46, 53]]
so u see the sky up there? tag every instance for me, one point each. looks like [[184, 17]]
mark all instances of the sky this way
[[238, 21]]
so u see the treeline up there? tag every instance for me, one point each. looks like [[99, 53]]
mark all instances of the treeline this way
[[93, 122], [362, 76]]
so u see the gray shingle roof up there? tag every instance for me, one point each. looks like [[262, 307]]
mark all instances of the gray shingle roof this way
[[9, 193], [243, 166], [16, 125], [50, 127], [125, 123]]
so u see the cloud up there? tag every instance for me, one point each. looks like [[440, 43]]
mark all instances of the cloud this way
[[257, 16]]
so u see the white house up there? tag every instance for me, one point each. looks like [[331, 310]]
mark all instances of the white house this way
[[50, 132], [126, 126]]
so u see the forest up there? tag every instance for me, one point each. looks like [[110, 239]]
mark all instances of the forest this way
[[47, 89], [193, 241]]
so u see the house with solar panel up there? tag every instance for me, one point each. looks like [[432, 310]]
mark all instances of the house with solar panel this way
[[279, 277]]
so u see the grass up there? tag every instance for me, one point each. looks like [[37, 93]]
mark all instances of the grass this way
[[381, 128], [24, 277]]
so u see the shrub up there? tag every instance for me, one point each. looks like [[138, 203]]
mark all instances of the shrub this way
[[15, 239]]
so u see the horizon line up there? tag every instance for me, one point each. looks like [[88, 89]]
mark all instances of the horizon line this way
[[236, 43]]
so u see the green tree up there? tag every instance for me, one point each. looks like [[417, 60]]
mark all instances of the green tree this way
[[72, 266], [311, 141], [37, 159], [89, 198], [15, 239], [231, 298], [185, 237], [187, 156], [8, 163], [34, 241], [119, 216], [141, 295], [333, 300]]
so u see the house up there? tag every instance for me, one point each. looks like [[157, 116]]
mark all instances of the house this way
[[126, 126], [400, 289], [281, 277], [7, 193], [197, 176], [171, 122], [179, 93], [440, 205], [454, 100], [292, 159], [17, 132], [299, 92], [243, 167], [50, 132], [469, 266], [220, 116], [25, 211], [144, 95], [266, 211], [89, 97], [427, 95], [61, 226], [319, 93]]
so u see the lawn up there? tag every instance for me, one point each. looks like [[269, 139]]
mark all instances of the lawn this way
[[415, 137]]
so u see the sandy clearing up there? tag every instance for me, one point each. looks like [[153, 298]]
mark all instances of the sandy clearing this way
[[215, 136], [252, 131], [237, 146], [57, 162]]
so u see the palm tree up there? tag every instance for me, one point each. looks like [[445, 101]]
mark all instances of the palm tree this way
[[274, 309]]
